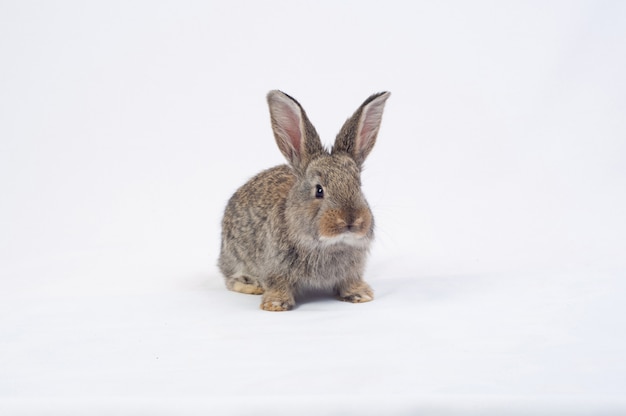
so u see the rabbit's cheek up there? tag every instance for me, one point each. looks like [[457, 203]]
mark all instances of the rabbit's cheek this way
[[314, 209], [331, 224]]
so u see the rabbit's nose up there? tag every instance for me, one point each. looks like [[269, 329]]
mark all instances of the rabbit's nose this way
[[357, 223], [352, 221]]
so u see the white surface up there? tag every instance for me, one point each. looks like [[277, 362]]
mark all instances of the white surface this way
[[498, 184]]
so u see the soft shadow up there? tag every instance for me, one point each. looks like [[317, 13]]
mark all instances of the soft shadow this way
[[314, 296]]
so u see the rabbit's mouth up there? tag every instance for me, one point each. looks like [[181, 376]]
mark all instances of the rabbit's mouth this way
[[348, 238]]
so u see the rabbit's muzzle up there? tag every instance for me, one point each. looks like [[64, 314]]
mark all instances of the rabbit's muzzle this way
[[355, 222]]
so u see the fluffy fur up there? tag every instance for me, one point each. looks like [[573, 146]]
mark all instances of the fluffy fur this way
[[305, 224]]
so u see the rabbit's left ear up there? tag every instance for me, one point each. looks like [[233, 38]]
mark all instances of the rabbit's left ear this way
[[358, 134]]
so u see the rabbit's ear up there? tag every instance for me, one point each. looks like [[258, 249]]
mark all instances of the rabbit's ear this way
[[358, 134], [295, 135]]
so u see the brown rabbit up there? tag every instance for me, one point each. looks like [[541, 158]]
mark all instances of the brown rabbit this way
[[306, 224]]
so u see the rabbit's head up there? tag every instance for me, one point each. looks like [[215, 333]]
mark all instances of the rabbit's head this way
[[326, 206]]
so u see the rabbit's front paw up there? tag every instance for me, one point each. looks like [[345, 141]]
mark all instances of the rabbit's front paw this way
[[277, 302], [357, 292]]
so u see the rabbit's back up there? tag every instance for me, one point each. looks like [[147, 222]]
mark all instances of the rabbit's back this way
[[254, 222]]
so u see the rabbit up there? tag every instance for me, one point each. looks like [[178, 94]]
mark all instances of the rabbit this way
[[304, 225]]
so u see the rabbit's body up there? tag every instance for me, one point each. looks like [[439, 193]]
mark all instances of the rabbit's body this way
[[307, 224], [278, 247]]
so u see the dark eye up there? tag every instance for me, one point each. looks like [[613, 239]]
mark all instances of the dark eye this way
[[319, 191]]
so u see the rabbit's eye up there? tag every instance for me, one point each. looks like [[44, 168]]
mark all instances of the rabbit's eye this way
[[319, 191]]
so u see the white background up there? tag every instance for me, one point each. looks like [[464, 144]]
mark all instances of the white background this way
[[498, 185]]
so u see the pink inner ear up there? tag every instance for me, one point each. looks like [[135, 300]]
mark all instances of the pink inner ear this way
[[287, 117], [292, 128], [366, 132], [369, 125]]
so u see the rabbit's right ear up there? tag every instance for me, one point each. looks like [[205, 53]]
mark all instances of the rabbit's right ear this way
[[295, 135]]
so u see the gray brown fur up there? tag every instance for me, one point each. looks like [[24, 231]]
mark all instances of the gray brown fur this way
[[278, 238]]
